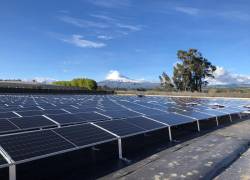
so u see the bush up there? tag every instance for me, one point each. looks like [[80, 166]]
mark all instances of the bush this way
[[79, 82]]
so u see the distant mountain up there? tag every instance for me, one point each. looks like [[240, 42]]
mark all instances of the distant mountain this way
[[230, 86], [128, 84], [116, 80]]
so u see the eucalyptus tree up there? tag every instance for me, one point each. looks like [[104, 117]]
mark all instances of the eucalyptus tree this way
[[192, 71]]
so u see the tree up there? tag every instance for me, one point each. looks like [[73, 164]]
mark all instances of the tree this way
[[192, 72], [178, 77], [91, 84], [166, 82], [79, 82]]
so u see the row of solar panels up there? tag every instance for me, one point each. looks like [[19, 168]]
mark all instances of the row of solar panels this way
[[22, 146], [51, 118], [161, 113], [107, 105], [69, 99], [144, 108], [28, 146]]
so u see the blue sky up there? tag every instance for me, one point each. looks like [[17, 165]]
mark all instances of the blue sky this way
[[62, 39]]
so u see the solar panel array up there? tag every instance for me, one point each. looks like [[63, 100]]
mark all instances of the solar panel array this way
[[33, 127]]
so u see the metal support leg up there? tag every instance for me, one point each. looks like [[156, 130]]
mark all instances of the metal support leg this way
[[12, 172], [12, 166], [198, 126], [170, 134], [120, 148], [240, 115], [217, 121], [230, 118]]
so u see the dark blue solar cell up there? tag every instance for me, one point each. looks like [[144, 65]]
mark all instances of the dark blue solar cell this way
[[6, 126], [144, 123], [149, 112], [91, 116], [31, 113], [41, 112], [54, 111], [7, 115], [33, 144], [32, 108], [32, 122], [66, 118], [83, 135], [215, 112], [231, 110], [172, 119], [120, 128], [120, 114], [197, 115], [72, 110]]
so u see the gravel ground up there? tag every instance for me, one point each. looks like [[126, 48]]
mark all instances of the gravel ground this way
[[218, 153]]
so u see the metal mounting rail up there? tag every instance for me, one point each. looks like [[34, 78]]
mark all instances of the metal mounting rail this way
[[118, 138], [11, 162]]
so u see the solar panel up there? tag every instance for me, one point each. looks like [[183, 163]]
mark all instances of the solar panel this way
[[120, 114], [32, 108], [178, 109], [5, 126], [83, 135], [197, 115], [172, 119], [144, 123], [120, 128], [91, 116], [214, 112], [72, 110], [149, 112], [4, 115], [41, 112], [66, 118], [48, 106], [54, 111], [87, 109], [30, 145], [31, 113], [9, 109], [230, 110], [32, 122]]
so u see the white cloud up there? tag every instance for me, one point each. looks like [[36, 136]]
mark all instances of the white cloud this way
[[102, 24], [129, 27], [110, 3], [83, 23], [226, 14], [223, 77], [78, 41], [103, 17], [187, 10], [115, 75], [104, 37], [117, 23]]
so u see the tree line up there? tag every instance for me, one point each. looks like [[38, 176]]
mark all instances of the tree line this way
[[84, 83], [190, 73]]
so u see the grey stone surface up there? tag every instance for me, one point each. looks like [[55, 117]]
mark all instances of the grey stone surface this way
[[200, 158], [240, 169]]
